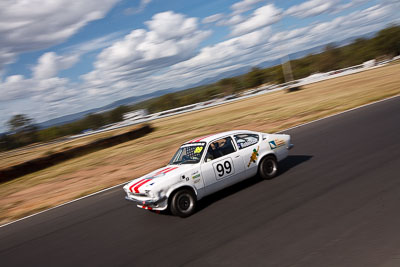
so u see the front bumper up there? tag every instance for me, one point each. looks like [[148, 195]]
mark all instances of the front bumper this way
[[160, 204]]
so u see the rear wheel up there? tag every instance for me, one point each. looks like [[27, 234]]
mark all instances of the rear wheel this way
[[183, 203], [268, 168]]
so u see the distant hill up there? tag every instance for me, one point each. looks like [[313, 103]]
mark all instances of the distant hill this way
[[314, 50], [126, 101]]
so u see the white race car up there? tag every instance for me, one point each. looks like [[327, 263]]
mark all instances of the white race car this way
[[205, 165]]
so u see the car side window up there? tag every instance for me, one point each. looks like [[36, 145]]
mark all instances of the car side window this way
[[219, 148], [246, 140]]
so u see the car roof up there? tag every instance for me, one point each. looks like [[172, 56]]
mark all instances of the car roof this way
[[211, 137]]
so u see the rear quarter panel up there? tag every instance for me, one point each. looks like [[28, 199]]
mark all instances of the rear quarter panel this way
[[276, 144]]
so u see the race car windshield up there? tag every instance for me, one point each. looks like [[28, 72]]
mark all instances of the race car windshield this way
[[188, 154]]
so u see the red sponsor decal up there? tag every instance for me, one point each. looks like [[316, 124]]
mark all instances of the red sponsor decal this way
[[199, 139], [140, 184], [170, 169], [191, 141], [166, 170], [162, 171], [130, 188]]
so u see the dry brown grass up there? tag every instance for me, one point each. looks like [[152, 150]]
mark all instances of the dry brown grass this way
[[17, 156], [269, 113]]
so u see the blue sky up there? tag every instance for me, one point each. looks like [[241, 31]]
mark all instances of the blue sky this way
[[59, 57]]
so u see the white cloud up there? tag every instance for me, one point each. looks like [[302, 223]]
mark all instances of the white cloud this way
[[233, 20], [235, 17], [170, 25], [213, 60], [7, 56], [390, 2], [18, 87], [44, 84], [142, 6], [143, 52], [261, 45], [38, 24], [244, 6], [373, 16], [14, 87], [50, 64], [212, 18], [292, 34], [261, 17], [94, 44], [356, 23], [350, 4], [312, 8]]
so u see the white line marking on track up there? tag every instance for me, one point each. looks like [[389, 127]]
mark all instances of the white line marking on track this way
[[112, 187], [69, 202]]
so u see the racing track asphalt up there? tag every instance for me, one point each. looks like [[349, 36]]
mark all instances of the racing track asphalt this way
[[336, 203]]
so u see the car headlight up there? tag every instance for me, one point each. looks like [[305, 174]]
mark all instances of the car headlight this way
[[149, 193]]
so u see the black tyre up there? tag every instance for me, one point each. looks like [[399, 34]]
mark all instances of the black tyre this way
[[268, 168], [183, 203]]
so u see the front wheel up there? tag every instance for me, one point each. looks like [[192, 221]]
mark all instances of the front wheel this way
[[183, 203], [268, 168]]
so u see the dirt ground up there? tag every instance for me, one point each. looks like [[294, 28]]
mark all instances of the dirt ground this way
[[268, 113]]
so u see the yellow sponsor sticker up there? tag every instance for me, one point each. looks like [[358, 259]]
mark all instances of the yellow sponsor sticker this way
[[198, 149]]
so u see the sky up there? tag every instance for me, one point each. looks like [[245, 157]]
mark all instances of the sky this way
[[59, 57]]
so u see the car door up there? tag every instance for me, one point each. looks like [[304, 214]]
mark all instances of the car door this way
[[249, 147], [222, 165]]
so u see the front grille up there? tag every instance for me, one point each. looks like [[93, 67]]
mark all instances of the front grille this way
[[138, 195]]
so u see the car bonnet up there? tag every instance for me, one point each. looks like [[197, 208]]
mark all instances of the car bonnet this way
[[158, 177]]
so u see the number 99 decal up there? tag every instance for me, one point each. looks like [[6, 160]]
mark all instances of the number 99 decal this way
[[223, 168]]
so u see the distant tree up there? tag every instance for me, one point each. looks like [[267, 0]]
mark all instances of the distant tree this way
[[50, 133], [189, 99], [23, 129], [20, 122], [230, 85], [276, 74], [303, 67], [117, 114], [211, 91], [359, 51], [7, 142], [74, 127], [387, 41], [329, 59], [93, 121], [165, 102], [254, 78]]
